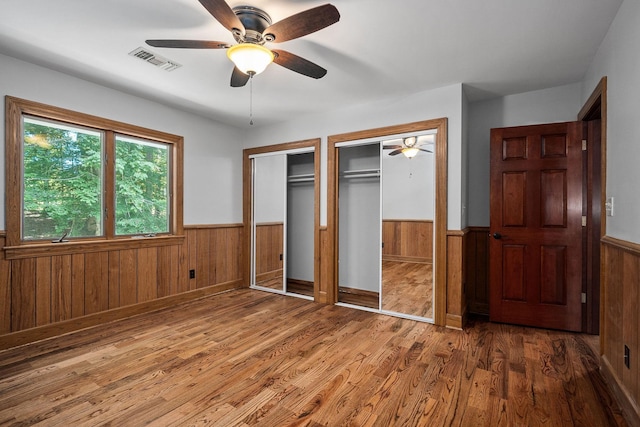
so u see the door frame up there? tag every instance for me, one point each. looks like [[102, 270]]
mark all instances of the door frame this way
[[595, 108], [330, 250], [247, 208]]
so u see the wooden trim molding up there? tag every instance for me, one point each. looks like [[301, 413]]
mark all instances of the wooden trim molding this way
[[630, 247], [594, 113], [456, 297], [440, 231], [212, 226], [15, 108], [79, 246]]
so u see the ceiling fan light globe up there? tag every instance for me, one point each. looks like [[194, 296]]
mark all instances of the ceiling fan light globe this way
[[250, 58], [410, 141], [410, 152]]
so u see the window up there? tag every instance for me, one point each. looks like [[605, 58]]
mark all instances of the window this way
[[142, 192], [62, 176], [81, 180]]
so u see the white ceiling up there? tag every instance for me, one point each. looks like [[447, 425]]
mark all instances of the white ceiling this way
[[379, 49]]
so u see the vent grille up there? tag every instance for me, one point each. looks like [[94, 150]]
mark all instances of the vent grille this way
[[157, 60]]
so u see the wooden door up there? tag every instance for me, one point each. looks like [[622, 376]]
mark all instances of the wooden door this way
[[536, 226]]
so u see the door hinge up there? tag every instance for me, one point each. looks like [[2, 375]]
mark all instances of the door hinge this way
[[584, 221], [583, 297], [584, 145]]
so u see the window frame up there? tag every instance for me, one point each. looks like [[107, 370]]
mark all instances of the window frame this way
[[15, 109]]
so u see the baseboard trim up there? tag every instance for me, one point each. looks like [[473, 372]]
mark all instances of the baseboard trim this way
[[269, 275], [454, 321], [400, 258], [16, 339], [630, 408], [357, 296]]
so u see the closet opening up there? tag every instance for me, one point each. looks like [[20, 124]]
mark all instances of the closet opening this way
[[281, 218], [385, 204]]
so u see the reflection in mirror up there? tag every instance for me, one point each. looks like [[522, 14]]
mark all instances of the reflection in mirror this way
[[269, 176], [359, 225], [408, 195], [300, 223]]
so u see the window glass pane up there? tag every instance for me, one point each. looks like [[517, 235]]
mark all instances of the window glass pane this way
[[62, 175], [142, 186]]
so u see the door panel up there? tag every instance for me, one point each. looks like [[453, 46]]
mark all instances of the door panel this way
[[536, 223]]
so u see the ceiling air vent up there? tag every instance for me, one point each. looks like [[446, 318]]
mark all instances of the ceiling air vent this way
[[154, 59]]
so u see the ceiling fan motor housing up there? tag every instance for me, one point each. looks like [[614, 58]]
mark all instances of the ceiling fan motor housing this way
[[255, 21]]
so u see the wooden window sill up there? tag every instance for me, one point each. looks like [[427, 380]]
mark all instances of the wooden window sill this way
[[85, 246]]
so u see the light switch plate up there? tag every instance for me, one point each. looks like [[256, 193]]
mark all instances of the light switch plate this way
[[609, 206]]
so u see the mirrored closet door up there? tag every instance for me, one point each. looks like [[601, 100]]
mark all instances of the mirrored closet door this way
[[385, 204], [408, 199], [283, 222], [269, 213]]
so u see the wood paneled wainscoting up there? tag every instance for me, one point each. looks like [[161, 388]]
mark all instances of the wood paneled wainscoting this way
[[407, 240], [476, 267], [46, 296], [620, 323], [269, 253]]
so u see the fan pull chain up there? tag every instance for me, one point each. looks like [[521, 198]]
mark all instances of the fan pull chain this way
[[251, 99]]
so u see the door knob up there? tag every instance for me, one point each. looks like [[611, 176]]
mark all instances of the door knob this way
[[497, 236]]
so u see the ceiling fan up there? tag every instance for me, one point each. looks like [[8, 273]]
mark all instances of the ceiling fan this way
[[252, 28], [410, 147]]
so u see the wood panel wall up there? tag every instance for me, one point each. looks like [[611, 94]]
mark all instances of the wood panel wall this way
[[50, 295], [325, 291], [269, 250], [455, 284], [407, 240], [476, 266], [620, 322]]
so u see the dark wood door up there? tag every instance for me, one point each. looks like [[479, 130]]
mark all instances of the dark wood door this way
[[536, 226]]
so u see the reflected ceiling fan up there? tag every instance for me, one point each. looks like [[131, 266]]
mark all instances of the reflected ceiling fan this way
[[410, 147], [252, 28]]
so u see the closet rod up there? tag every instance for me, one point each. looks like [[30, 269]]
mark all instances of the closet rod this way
[[293, 180], [361, 173]]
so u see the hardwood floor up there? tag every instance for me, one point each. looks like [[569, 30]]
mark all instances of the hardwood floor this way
[[407, 287], [249, 358]]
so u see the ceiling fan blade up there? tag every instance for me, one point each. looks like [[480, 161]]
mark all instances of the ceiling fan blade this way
[[425, 150], [391, 147], [220, 10], [298, 64], [396, 152], [303, 23], [238, 78], [189, 44]]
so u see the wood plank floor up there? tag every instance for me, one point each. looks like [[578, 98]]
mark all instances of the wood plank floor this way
[[251, 358], [407, 287]]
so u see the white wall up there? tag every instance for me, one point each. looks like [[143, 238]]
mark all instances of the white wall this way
[[618, 58], [558, 104], [270, 176], [212, 151], [432, 104], [408, 186]]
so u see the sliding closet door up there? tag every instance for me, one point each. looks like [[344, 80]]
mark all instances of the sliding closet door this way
[[408, 212], [300, 223], [269, 214], [359, 225]]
